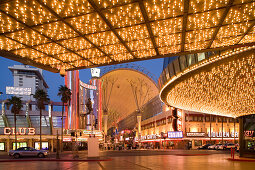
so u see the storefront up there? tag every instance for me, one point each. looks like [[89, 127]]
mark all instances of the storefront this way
[[247, 136]]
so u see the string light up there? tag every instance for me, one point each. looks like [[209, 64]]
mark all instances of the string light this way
[[79, 29], [222, 84]]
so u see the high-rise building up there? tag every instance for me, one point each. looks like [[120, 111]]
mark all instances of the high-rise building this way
[[27, 77]]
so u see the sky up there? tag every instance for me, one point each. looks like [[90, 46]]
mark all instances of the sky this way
[[54, 80]]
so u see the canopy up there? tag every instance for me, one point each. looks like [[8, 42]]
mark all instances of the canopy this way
[[76, 34]]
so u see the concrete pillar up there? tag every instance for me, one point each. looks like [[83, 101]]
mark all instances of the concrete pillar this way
[[30, 143], [139, 121], [52, 145], [8, 145], [105, 117]]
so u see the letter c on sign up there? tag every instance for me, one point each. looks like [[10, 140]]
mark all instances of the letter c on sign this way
[[7, 131], [31, 131]]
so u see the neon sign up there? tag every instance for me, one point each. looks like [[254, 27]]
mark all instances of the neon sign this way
[[175, 134], [225, 134], [21, 131], [87, 86], [249, 133], [179, 120]]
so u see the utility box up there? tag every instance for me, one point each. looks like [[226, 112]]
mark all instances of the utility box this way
[[93, 146]]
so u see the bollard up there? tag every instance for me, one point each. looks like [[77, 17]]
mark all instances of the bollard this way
[[233, 153]]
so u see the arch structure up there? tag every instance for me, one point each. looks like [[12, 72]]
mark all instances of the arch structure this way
[[121, 95], [221, 84]]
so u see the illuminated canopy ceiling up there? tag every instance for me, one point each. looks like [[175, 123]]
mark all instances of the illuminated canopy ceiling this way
[[224, 86], [76, 34]]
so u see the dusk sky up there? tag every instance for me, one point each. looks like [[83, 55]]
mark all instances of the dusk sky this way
[[54, 80]]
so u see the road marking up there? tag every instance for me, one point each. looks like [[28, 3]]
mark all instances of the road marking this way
[[100, 165], [139, 165]]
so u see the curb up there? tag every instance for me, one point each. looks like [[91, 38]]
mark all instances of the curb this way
[[241, 160], [55, 160]]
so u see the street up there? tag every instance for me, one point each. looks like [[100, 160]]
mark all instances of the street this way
[[154, 159]]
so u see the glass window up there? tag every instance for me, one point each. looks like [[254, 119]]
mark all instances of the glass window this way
[[45, 145], [191, 59], [171, 69], [183, 62], [176, 66], [200, 56], [19, 145], [197, 142], [2, 146]]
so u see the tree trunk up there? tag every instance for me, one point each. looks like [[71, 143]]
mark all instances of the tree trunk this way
[[15, 131], [62, 128], [40, 129]]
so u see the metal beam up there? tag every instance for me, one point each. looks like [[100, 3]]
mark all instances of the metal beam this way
[[50, 39], [184, 23], [99, 11], [146, 19], [247, 31], [74, 29], [220, 22]]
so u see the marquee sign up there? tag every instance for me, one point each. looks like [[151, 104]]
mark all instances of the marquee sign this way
[[195, 134], [225, 134], [249, 133], [21, 131], [88, 86], [175, 134], [19, 90]]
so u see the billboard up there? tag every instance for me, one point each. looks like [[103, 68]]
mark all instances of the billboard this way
[[19, 90]]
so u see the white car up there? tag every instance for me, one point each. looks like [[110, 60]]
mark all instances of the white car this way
[[212, 147], [27, 151]]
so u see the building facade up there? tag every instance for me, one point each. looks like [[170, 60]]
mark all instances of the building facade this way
[[193, 130], [27, 77]]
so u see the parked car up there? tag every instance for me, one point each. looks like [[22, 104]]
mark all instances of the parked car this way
[[204, 146], [28, 151], [228, 146], [212, 147], [218, 146]]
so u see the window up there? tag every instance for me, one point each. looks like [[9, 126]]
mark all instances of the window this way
[[200, 56]]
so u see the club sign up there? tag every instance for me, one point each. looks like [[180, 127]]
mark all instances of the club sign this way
[[20, 131]]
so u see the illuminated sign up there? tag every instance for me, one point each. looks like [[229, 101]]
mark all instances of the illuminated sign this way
[[87, 86], [21, 131], [67, 139], [149, 137], [249, 133], [175, 134], [95, 72], [195, 134], [87, 132], [19, 90], [179, 120], [225, 134]]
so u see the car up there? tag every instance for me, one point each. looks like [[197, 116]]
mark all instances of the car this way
[[229, 146], [27, 151], [204, 146], [218, 146], [212, 147]]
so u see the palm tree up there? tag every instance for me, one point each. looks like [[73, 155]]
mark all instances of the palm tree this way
[[41, 97], [16, 107], [65, 93]]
